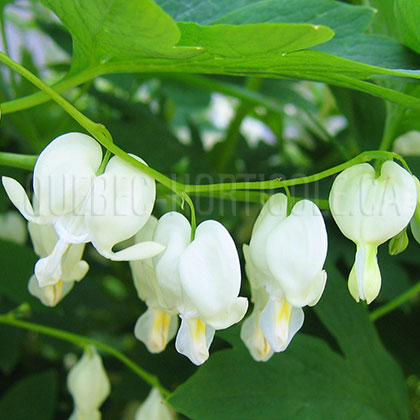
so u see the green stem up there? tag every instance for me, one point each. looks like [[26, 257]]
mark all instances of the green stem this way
[[98, 131], [38, 98], [103, 136], [187, 198], [278, 183], [16, 160], [82, 341], [395, 303], [393, 116]]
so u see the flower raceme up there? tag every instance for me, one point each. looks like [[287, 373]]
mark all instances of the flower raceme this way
[[369, 209], [198, 279], [89, 386], [85, 207], [284, 263]]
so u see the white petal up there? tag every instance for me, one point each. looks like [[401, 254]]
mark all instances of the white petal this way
[[120, 203], [296, 251], [279, 322], [18, 197], [254, 339], [64, 172], [273, 213], [139, 251], [155, 328], [154, 408], [49, 295], [193, 340], [48, 270], [174, 231], [147, 231], [232, 315], [43, 238], [365, 276], [257, 279], [210, 270], [370, 209], [88, 382], [73, 267], [317, 288]]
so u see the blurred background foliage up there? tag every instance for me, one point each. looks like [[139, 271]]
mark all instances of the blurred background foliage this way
[[215, 128]]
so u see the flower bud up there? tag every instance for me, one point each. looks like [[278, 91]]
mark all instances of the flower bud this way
[[154, 408], [398, 243], [89, 386]]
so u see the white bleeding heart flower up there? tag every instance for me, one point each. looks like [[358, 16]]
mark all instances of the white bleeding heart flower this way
[[198, 279], [210, 275], [73, 268], [284, 263], [83, 207], [369, 209], [154, 408], [89, 386], [158, 325]]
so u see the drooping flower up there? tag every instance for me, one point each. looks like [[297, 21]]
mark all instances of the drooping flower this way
[[154, 408], [83, 207], [73, 268], [369, 209], [158, 325], [284, 264], [199, 280], [210, 275], [89, 386]]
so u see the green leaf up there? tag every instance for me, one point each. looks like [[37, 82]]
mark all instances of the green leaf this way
[[347, 21], [118, 37], [33, 398], [308, 380], [407, 14], [118, 30], [255, 39]]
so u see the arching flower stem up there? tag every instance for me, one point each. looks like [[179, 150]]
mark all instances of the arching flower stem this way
[[82, 341]]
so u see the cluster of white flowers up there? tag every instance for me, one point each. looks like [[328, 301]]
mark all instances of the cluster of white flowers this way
[[198, 278]]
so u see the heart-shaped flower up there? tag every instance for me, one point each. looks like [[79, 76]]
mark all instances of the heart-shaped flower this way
[[85, 207], [369, 209]]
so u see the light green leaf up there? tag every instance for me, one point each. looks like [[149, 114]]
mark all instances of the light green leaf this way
[[126, 42], [110, 30], [309, 380], [407, 16], [250, 40]]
